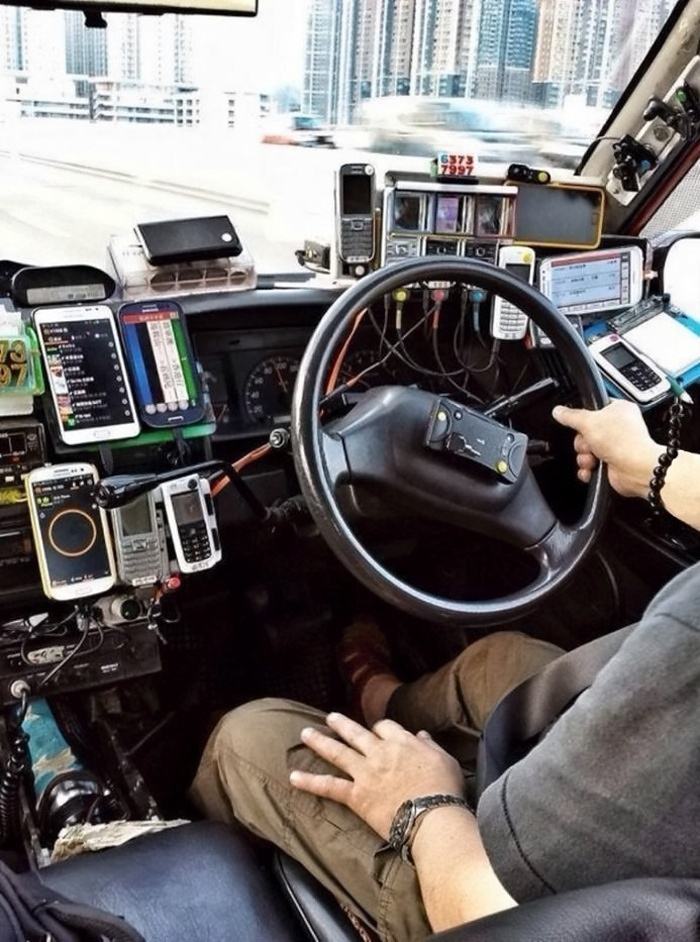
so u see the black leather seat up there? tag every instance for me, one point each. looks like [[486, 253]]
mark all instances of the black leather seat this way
[[205, 882], [200, 882]]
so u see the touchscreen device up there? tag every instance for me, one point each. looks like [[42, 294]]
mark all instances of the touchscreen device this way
[[162, 364], [409, 212], [489, 215], [559, 215], [448, 212], [594, 282], [70, 531], [87, 377]]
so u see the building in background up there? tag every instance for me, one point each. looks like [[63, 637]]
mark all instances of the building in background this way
[[86, 49], [551, 53], [320, 95], [11, 44], [505, 50], [445, 47]]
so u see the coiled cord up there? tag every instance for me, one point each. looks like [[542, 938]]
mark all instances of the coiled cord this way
[[12, 775]]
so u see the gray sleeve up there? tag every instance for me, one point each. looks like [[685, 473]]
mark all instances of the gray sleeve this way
[[612, 791]]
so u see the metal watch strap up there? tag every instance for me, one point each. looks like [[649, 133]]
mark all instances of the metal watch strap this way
[[410, 812]]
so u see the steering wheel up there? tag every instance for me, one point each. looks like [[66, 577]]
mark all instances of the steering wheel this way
[[383, 444]]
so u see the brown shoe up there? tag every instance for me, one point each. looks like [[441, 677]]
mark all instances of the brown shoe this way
[[363, 654]]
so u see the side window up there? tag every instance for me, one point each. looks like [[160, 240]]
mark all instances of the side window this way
[[681, 210]]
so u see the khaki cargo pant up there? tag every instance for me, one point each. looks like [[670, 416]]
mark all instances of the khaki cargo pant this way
[[244, 776]]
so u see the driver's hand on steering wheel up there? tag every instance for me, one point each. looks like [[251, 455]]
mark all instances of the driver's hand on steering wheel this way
[[618, 436]]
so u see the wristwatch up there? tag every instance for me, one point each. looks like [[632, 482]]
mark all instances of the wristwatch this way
[[403, 827]]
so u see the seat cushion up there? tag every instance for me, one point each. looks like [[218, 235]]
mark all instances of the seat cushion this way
[[201, 881], [318, 909]]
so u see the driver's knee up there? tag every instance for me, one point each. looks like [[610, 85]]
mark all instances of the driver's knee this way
[[243, 774], [490, 668]]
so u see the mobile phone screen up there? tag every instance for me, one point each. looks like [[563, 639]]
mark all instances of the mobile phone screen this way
[[357, 194], [163, 368], [136, 518], [70, 530], [86, 373]]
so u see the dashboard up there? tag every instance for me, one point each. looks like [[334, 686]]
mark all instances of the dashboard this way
[[213, 373]]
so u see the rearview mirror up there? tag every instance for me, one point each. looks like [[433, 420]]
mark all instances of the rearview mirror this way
[[217, 7]]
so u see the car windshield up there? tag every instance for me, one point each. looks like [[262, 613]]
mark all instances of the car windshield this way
[[170, 117]]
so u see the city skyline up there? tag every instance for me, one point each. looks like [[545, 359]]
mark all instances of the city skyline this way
[[527, 52], [257, 54], [335, 53]]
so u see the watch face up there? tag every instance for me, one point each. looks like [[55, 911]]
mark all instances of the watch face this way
[[402, 821]]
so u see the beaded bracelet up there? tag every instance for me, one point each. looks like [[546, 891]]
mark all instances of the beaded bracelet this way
[[658, 479]]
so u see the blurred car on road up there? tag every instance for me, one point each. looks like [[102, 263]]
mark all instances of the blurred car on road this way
[[494, 131], [297, 130]]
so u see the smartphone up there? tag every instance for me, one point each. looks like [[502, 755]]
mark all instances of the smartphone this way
[[87, 376], [189, 511], [594, 282], [162, 364], [139, 542], [71, 538]]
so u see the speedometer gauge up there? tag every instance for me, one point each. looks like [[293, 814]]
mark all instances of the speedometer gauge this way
[[269, 388], [359, 362]]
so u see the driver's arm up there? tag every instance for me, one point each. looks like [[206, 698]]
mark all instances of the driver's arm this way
[[619, 436]]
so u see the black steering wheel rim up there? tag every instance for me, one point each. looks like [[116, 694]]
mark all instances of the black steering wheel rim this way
[[312, 461]]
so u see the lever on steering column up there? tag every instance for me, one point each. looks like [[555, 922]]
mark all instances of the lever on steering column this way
[[121, 489]]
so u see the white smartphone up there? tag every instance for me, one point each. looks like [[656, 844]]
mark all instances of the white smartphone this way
[[635, 374], [594, 282], [71, 538], [88, 380], [507, 321]]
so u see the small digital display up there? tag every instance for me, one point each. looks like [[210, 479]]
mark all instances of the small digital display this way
[[136, 518], [555, 215], [619, 356], [596, 283], [188, 508], [13, 444], [86, 373], [14, 364], [520, 271], [63, 294], [163, 369], [489, 215], [357, 194], [441, 247], [71, 530], [447, 214], [408, 212]]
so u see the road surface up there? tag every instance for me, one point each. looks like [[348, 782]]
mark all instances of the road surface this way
[[53, 216]]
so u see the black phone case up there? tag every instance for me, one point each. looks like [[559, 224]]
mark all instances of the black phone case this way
[[189, 240]]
